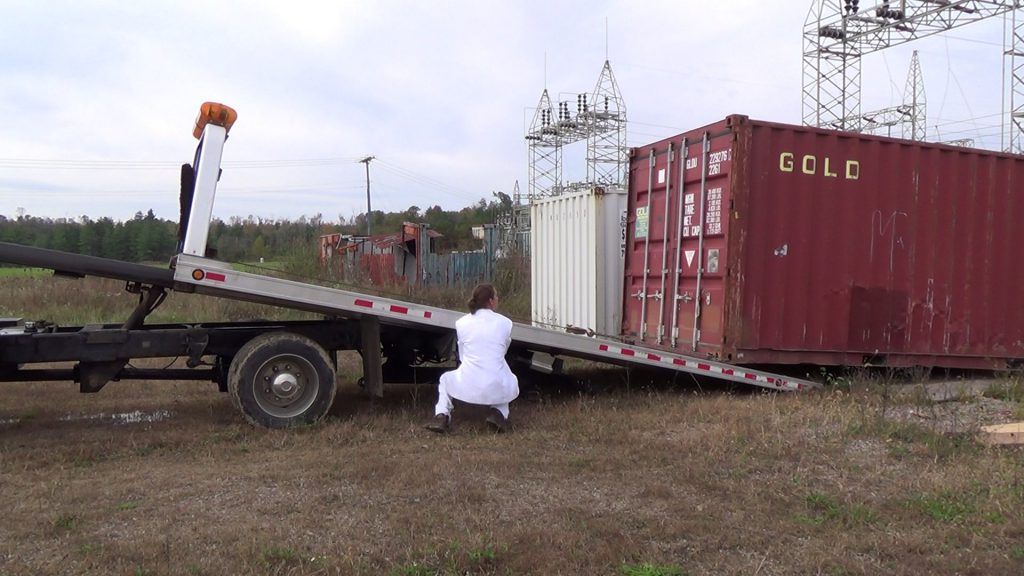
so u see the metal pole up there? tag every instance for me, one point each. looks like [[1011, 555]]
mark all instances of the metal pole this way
[[369, 213], [697, 308]]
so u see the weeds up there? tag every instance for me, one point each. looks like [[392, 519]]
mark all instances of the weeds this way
[[905, 438], [278, 555], [646, 569], [451, 559], [824, 509], [66, 522], [128, 505], [1011, 390], [946, 506], [414, 568]]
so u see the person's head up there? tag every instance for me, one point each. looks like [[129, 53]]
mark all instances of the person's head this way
[[484, 296]]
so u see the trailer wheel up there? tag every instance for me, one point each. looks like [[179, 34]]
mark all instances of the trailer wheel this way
[[280, 379]]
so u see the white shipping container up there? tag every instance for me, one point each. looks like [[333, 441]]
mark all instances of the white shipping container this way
[[577, 245]]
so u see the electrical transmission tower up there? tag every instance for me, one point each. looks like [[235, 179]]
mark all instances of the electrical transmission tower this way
[[911, 116], [599, 119], [514, 226], [607, 154], [837, 33], [545, 144], [1014, 54]]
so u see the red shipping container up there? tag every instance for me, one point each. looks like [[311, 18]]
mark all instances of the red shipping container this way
[[763, 243]]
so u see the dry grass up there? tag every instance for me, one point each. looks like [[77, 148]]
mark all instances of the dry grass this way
[[68, 301], [663, 478], [641, 478]]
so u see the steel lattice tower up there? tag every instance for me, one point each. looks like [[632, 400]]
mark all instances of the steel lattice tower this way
[[911, 116], [1014, 53], [599, 119], [607, 153], [837, 33], [545, 146]]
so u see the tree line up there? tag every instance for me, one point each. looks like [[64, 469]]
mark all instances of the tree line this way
[[146, 238]]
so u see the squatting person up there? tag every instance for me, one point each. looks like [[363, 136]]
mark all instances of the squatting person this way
[[483, 377]]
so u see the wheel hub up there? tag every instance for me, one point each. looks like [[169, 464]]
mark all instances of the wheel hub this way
[[285, 386]]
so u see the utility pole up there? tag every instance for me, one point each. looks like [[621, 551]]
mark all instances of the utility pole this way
[[369, 213]]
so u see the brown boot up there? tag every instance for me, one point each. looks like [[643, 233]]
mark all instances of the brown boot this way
[[498, 422], [440, 423]]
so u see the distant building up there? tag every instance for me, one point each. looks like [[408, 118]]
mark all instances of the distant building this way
[[406, 257]]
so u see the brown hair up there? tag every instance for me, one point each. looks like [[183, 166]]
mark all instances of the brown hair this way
[[482, 294]]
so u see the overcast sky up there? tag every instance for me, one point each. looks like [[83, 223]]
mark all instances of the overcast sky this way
[[97, 99]]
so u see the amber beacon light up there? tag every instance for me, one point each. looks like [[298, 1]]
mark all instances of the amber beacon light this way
[[216, 114]]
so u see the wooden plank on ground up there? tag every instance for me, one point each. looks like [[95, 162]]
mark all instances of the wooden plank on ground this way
[[1012, 433]]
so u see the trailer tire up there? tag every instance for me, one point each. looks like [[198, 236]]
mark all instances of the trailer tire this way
[[281, 379]]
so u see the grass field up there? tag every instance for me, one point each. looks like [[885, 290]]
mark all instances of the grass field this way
[[628, 475], [7, 272]]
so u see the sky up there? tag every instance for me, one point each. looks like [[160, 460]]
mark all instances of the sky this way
[[98, 99]]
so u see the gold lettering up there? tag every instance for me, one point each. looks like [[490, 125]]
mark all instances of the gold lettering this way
[[827, 172], [852, 170], [810, 161], [786, 162], [809, 166]]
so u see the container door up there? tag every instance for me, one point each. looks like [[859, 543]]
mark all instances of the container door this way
[[676, 264], [701, 227], [647, 290]]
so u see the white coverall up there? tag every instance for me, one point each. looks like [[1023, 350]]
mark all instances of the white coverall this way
[[483, 377]]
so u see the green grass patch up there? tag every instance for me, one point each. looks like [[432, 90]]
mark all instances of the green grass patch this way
[[277, 557], [946, 506], [128, 505], [822, 508], [414, 568], [1009, 391], [18, 272], [647, 569], [905, 439], [451, 558], [66, 522]]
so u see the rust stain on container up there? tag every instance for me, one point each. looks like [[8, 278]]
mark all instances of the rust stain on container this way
[[758, 242]]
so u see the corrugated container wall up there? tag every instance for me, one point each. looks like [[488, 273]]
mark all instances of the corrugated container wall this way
[[756, 242], [577, 248]]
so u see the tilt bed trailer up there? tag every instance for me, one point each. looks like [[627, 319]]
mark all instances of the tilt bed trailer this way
[[279, 374]]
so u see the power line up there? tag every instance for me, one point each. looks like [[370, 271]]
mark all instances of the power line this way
[[54, 164]]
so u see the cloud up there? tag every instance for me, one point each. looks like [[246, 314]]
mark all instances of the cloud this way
[[438, 91]]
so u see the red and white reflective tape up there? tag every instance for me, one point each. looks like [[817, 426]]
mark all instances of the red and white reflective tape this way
[[393, 308], [696, 365]]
